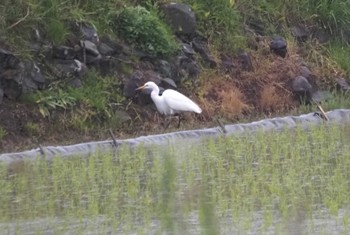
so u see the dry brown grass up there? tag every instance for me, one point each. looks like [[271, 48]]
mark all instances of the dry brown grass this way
[[267, 88], [221, 95], [232, 103], [272, 99]]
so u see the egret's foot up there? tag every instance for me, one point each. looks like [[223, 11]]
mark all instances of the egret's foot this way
[[166, 122], [156, 117], [180, 118]]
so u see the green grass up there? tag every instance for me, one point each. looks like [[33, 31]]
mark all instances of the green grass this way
[[93, 104], [340, 54], [230, 185], [334, 100], [3, 132], [220, 21]]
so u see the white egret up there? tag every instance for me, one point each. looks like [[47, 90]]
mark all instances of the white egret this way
[[171, 102]]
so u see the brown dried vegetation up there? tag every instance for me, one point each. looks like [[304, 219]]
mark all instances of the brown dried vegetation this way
[[265, 89]]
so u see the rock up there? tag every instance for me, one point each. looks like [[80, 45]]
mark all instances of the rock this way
[[302, 89], [80, 69], [187, 49], [227, 63], [189, 66], [76, 83], [279, 46], [321, 36], [342, 84], [245, 61], [164, 68], [12, 89], [86, 31], [150, 75], [168, 83], [35, 73], [109, 66], [17, 77], [36, 42], [301, 84], [109, 46], [201, 47], [137, 79], [63, 52], [105, 49], [320, 96], [90, 47], [11, 80], [66, 68], [300, 33], [8, 60], [305, 71], [132, 83], [180, 17], [92, 60], [32, 77]]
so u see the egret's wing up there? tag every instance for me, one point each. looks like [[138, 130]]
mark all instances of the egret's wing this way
[[178, 102]]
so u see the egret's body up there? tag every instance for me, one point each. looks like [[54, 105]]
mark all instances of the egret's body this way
[[170, 102]]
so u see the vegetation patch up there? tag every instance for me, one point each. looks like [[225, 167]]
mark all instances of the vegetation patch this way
[[145, 31], [220, 21], [229, 28], [280, 181]]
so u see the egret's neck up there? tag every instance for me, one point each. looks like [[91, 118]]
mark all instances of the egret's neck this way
[[155, 94]]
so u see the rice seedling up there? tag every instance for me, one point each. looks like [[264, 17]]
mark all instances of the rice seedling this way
[[294, 181]]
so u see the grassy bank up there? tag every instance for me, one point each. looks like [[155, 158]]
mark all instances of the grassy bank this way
[[230, 27], [267, 182]]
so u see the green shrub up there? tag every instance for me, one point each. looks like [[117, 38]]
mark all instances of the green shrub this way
[[145, 30]]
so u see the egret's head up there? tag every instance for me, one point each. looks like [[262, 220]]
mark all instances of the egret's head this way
[[148, 85]]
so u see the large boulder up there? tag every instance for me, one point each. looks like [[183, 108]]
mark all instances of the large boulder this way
[[201, 46], [342, 84], [180, 17], [63, 52], [86, 31], [278, 46], [18, 76], [302, 89], [300, 33]]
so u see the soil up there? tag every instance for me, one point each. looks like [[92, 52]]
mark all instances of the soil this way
[[237, 95], [26, 128]]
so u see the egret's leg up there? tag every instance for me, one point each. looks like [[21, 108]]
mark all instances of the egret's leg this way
[[180, 118], [166, 122], [156, 117]]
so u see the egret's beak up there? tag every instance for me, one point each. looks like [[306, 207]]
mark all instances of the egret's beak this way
[[140, 88]]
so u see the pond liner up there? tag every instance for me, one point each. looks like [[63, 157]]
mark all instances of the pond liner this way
[[339, 116]]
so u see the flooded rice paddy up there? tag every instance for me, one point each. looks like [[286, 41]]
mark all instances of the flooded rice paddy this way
[[289, 182]]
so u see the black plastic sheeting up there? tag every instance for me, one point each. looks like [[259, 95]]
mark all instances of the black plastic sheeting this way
[[274, 124]]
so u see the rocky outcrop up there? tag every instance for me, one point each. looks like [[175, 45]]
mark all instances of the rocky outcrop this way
[[180, 17], [69, 62], [18, 76], [85, 49]]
